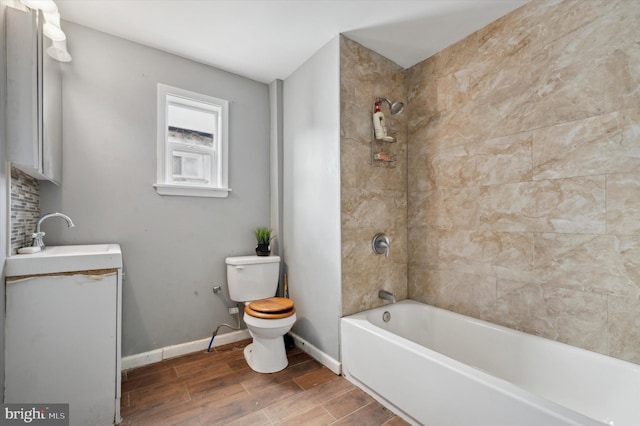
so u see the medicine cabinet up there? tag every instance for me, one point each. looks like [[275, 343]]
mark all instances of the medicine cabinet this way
[[34, 98]]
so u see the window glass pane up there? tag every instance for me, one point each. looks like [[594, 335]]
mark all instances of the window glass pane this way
[[191, 167], [191, 125], [177, 165]]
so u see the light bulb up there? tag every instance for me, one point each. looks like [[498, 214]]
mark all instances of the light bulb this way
[[58, 51]]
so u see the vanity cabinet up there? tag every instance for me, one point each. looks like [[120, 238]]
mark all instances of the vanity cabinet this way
[[62, 344], [63, 331], [34, 98]]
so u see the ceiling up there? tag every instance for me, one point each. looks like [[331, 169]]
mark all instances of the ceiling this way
[[269, 39]]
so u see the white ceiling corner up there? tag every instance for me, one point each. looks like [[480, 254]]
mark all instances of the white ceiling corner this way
[[269, 39]]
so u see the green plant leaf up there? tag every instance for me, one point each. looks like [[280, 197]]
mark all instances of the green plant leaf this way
[[263, 235]]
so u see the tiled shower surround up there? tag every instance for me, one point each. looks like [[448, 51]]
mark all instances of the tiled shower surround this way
[[523, 176], [374, 194], [25, 208]]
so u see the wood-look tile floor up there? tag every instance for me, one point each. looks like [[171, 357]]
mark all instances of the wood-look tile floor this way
[[219, 388]]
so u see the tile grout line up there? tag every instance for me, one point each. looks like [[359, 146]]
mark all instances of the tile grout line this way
[[353, 412], [245, 388], [303, 390], [327, 411], [267, 416], [185, 385]]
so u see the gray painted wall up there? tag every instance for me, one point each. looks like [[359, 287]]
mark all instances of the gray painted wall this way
[[173, 247], [276, 128], [311, 197], [4, 172]]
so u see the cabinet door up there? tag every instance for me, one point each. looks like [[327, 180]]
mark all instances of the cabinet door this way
[[51, 119], [61, 344], [34, 98], [22, 90]]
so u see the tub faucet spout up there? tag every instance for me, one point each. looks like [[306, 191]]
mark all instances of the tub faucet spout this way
[[37, 236], [385, 295]]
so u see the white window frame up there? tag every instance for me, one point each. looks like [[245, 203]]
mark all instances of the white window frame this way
[[218, 180]]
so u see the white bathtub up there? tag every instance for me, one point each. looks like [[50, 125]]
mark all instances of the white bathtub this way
[[435, 367]]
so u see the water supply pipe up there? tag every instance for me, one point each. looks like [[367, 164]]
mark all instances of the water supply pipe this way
[[232, 309]]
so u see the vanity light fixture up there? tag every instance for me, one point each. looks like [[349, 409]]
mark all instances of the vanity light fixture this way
[[51, 28], [58, 51], [46, 6]]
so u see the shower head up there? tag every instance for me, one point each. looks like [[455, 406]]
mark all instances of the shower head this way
[[396, 107]]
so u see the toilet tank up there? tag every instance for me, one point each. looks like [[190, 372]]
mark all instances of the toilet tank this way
[[252, 277]]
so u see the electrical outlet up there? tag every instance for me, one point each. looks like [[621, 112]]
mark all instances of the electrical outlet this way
[[233, 310]]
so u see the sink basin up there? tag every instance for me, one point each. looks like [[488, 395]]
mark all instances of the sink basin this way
[[57, 259]]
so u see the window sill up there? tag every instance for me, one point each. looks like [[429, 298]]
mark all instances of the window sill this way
[[191, 191]]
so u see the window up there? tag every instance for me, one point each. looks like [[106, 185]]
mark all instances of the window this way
[[192, 144]]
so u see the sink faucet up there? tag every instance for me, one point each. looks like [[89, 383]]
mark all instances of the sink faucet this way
[[386, 295], [37, 236]]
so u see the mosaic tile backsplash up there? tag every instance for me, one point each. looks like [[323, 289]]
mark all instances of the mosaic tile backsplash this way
[[25, 208]]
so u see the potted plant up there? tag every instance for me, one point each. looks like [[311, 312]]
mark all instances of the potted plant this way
[[263, 237]]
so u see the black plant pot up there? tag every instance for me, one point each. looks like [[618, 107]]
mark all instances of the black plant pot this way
[[263, 250]]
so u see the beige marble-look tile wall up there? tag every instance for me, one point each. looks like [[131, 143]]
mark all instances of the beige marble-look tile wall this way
[[374, 194], [524, 174]]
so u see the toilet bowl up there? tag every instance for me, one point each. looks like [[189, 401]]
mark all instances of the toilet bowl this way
[[253, 280], [266, 354]]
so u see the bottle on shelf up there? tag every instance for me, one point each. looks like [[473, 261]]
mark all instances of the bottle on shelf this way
[[379, 127]]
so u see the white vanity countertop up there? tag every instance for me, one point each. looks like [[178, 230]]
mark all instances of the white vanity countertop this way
[[56, 259]]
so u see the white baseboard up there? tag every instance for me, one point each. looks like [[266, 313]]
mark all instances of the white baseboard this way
[[156, 355], [315, 353]]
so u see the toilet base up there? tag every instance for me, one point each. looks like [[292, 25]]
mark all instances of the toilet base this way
[[266, 355]]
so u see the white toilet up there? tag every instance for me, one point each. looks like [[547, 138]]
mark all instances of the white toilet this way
[[254, 280]]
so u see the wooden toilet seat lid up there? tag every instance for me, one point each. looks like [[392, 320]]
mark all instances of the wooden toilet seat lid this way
[[273, 307]]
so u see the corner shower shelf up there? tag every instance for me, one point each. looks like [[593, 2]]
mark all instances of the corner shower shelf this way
[[380, 152], [384, 157]]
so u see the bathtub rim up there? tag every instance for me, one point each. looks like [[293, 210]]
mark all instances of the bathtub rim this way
[[364, 314], [555, 409]]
